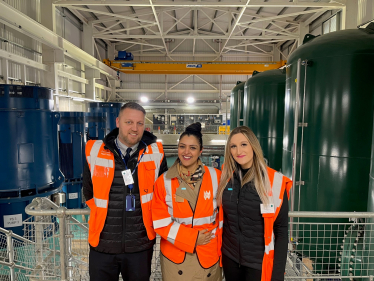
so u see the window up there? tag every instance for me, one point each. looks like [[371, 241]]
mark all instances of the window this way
[[330, 25]]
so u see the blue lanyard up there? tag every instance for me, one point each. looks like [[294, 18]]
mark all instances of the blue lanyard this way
[[122, 157]]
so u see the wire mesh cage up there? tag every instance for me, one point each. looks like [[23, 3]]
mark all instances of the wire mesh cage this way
[[333, 248], [55, 247], [42, 251]]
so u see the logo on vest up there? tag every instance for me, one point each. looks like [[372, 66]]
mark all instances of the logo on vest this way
[[105, 153], [206, 195]]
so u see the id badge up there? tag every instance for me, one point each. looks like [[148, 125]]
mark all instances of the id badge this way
[[130, 203], [267, 208], [127, 177]]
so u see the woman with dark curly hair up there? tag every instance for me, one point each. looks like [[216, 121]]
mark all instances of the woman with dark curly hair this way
[[185, 214]]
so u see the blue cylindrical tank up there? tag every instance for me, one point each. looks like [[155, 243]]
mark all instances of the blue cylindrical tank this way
[[95, 125], [29, 166], [72, 144], [111, 108]]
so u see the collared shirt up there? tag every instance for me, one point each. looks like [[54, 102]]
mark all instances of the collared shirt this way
[[123, 147]]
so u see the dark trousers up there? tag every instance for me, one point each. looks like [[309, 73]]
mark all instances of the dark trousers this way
[[132, 266], [234, 272]]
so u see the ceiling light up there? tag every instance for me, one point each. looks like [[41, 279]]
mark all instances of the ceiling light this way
[[218, 141], [143, 99], [190, 100]]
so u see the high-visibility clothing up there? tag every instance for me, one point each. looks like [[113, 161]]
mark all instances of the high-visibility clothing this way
[[101, 163], [179, 226], [279, 183]]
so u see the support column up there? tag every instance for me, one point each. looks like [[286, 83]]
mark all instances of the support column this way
[[276, 53], [51, 58], [5, 70], [166, 120], [91, 75], [83, 75], [111, 51], [166, 88], [113, 84], [88, 40], [48, 14], [23, 74], [349, 15]]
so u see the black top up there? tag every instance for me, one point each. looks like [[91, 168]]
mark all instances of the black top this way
[[243, 228], [123, 232]]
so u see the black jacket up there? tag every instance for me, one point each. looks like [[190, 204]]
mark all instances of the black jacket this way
[[123, 232], [243, 228]]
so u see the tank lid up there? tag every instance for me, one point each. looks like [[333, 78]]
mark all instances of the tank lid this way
[[308, 37], [25, 97], [370, 28], [238, 82], [255, 72]]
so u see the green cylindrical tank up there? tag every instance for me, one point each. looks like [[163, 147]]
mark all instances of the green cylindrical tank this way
[[236, 105], [329, 103], [263, 112], [369, 229]]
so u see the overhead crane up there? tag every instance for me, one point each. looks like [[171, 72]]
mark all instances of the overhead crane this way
[[193, 67]]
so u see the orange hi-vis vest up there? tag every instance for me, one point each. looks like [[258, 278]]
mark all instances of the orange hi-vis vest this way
[[179, 226], [102, 166], [279, 183]]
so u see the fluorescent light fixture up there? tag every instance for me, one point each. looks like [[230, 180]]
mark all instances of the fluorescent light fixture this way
[[218, 141], [143, 99], [78, 99], [190, 100]]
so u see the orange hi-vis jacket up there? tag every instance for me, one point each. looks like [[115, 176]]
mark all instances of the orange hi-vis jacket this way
[[279, 183], [101, 164], [179, 226]]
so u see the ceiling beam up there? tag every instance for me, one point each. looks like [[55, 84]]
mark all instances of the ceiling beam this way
[[200, 55], [233, 4], [114, 16], [160, 29], [78, 15], [283, 16], [192, 36]]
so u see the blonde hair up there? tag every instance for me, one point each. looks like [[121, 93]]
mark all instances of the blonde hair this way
[[257, 173]]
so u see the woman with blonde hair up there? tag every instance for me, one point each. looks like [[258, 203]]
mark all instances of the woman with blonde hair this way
[[185, 214], [254, 201]]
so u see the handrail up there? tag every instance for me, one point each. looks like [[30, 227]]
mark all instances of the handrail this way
[[341, 215], [60, 211], [16, 236]]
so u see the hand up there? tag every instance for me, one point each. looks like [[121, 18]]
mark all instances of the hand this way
[[204, 237]]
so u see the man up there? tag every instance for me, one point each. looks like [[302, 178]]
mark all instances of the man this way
[[118, 186]]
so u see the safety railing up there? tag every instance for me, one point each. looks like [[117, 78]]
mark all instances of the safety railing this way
[[15, 263], [61, 242], [323, 246], [333, 246]]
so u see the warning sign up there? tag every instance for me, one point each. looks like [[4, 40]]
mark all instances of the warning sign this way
[[73, 195], [13, 220]]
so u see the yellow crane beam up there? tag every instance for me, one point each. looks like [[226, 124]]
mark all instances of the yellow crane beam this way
[[188, 67]]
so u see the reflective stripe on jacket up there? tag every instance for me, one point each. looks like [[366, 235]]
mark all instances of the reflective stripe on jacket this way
[[279, 183], [101, 163], [179, 226]]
